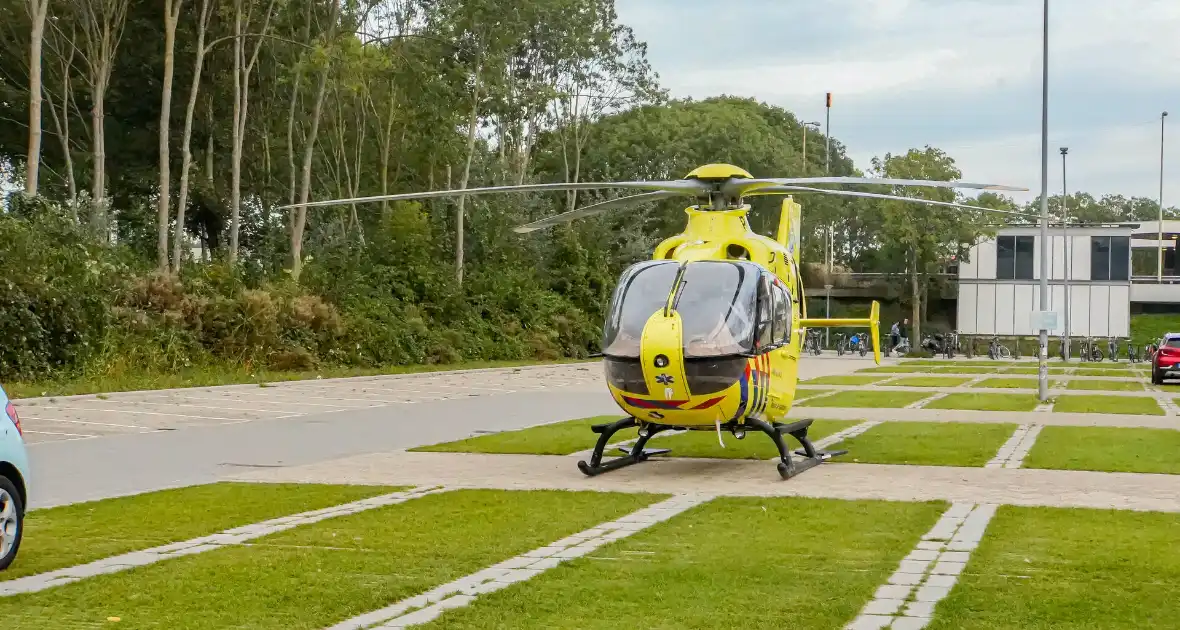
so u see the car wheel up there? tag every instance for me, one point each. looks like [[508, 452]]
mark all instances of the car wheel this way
[[12, 522], [1157, 378]]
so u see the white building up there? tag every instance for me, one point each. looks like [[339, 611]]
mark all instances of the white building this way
[[999, 286]]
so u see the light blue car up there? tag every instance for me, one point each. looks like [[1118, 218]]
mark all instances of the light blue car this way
[[14, 479]]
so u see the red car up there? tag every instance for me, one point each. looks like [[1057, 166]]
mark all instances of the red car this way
[[1165, 361]]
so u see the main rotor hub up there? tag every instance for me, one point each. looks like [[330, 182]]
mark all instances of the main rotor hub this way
[[719, 173], [716, 175]]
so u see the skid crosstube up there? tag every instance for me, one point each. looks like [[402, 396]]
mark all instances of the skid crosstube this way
[[787, 466], [635, 455]]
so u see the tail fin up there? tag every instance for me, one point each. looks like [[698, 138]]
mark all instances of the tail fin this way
[[873, 323], [789, 227]]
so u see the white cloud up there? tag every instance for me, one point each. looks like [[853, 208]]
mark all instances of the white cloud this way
[[963, 75]]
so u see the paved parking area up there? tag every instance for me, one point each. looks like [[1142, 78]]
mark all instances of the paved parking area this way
[[90, 416]]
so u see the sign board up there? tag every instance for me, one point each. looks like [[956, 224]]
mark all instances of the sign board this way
[[1044, 320]]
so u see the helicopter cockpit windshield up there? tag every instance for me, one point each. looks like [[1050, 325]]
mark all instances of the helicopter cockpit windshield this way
[[716, 301]]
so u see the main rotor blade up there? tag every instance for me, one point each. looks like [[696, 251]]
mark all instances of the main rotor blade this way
[[782, 190], [673, 187], [740, 187], [593, 209]]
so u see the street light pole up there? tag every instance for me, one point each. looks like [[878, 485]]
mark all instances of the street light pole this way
[[1159, 247], [805, 126], [1065, 245], [1043, 367], [828, 240]]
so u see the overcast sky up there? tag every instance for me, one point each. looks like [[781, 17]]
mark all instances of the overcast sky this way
[[961, 75]]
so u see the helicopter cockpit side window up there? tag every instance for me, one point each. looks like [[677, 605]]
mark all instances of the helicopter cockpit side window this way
[[782, 315], [766, 312], [643, 290]]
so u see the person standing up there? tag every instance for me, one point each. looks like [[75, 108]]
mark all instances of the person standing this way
[[894, 336], [904, 324]]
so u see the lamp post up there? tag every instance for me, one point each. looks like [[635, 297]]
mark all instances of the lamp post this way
[[1065, 245], [805, 126], [1042, 360], [1159, 247]]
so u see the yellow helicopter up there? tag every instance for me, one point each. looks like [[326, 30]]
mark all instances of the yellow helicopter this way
[[707, 335]]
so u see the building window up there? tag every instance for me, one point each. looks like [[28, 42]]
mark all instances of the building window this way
[[1110, 258], [1014, 257]]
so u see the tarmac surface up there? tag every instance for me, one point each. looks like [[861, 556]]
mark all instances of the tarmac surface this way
[[96, 446]]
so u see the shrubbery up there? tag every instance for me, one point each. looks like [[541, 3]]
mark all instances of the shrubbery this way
[[69, 305]]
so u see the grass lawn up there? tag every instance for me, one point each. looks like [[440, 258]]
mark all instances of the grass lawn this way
[[66, 536], [968, 369], [225, 375], [800, 563], [1069, 568], [894, 369], [927, 443], [849, 379], [1022, 370], [1093, 372], [807, 392], [1107, 449], [928, 381], [1109, 386], [1137, 405], [1009, 383], [866, 399], [756, 445], [985, 402], [314, 576], [559, 438]]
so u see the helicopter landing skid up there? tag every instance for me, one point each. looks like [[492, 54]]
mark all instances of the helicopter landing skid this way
[[633, 455], [787, 466]]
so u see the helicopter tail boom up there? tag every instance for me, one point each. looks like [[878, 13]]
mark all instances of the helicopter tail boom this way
[[873, 323]]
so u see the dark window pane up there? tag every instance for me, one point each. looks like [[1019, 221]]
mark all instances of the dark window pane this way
[[1024, 257], [1005, 257], [782, 316], [1099, 257], [642, 292], [716, 306], [1120, 257], [1174, 342]]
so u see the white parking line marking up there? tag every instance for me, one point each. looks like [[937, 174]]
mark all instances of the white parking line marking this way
[[145, 413], [929, 572], [88, 422], [1013, 452]]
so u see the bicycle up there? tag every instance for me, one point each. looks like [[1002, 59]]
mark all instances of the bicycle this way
[[1089, 351], [903, 347], [996, 350], [951, 344], [1132, 352], [841, 344], [811, 343], [1112, 346], [862, 344], [1061, 350]]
